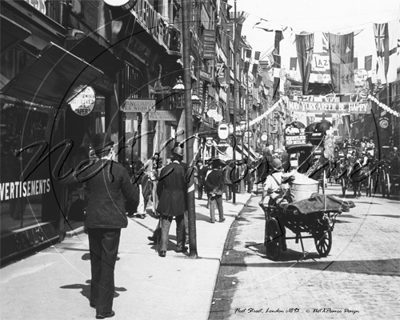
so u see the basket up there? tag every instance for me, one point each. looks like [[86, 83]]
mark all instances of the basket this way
[[299, 191]]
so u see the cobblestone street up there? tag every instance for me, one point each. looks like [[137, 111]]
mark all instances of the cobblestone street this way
[[358, 279]]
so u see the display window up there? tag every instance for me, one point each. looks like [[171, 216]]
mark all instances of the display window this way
[[24, 185]]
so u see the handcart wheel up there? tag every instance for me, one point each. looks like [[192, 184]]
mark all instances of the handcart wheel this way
[[323, 242], [272, 239]]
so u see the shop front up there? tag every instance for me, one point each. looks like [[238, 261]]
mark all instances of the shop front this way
[[39, 142]]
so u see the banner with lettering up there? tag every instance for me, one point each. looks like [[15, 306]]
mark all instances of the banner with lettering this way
[[341, 53], [330, 107]]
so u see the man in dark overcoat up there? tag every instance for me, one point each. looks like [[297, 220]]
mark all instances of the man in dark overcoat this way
[[171, 190], [108, 185], [215, 185]]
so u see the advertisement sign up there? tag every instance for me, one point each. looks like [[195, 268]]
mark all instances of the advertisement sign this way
[[294, 135], [137, 105], [83, 102], [293, 140], [162, 115]]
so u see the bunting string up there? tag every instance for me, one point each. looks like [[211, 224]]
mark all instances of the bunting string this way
[[382, 105]]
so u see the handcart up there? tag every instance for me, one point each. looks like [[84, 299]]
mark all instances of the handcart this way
[[315, 216]]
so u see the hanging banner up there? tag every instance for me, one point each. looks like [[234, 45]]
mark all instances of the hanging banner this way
[[341, 53], [331, 107], [305, 47]]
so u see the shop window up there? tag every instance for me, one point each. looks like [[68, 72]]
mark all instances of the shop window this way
[[26, 190]]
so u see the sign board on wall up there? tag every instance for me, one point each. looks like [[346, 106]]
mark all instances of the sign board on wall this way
[[162, 115], [139, 50], [138, 105]]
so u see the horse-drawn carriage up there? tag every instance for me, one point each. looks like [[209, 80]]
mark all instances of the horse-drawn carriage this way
[[315, 215]]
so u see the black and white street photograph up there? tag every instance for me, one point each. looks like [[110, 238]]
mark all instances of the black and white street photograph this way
[[199, 159]]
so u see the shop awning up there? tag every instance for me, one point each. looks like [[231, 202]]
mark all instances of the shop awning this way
[[48, 80], [96, 54], [11, 34]]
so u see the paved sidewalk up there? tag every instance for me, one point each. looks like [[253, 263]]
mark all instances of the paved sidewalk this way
[[55, 283]]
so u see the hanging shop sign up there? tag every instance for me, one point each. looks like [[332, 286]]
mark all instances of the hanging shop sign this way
[[209, 44], [137, 105], [205, 76], [248, 134], [212, 113], [162, 115], [223, 131], [384, 122], [139, 50], [83, 101], [123, 4], [332, 107], [38, 4], [264, 136]]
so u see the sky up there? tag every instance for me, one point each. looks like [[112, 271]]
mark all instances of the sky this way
[[339, 16]]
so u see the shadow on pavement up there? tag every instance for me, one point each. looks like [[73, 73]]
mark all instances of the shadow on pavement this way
[[384, 215], [344, 215], [86, 257], [85, 289]]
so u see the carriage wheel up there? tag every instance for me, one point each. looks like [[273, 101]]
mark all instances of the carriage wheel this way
[[272, 239], [323, 242]]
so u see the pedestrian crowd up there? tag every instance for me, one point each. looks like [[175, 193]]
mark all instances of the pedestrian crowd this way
[[113, 194]]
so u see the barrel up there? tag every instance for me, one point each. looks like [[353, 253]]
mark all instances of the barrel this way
[[301, 191]]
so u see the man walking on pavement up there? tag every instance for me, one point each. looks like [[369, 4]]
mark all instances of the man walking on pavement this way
[[215, 185], [108, 185], [172, 193]]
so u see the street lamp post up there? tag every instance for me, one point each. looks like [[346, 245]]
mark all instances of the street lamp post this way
[[189, 126]]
